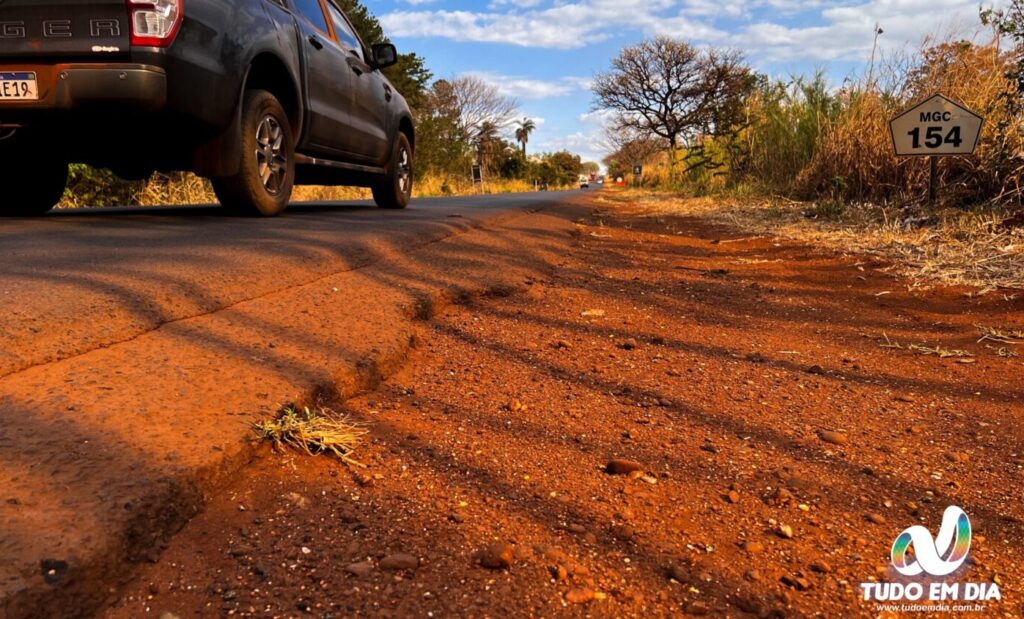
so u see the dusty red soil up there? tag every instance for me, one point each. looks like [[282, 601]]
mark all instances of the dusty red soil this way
[[717, 364]]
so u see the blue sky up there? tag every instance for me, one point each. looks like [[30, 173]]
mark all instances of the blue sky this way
[[544, 52]]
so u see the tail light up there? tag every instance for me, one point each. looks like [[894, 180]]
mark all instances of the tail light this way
[[155, 23]]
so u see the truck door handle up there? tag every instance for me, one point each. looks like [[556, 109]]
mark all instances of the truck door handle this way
[[387, 93], [316, 42], [354, 64]]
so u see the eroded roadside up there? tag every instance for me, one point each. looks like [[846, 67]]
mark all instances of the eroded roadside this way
[[785, 440], [109, 450]]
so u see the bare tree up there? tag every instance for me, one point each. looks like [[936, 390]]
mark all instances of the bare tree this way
[[669, 89], [479, 104], [627, 148]]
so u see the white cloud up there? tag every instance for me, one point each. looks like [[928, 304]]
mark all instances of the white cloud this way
[[586, 144], [768, 30], [531, 89]]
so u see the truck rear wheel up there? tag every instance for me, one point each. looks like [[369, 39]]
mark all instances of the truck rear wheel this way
[[395, 190], [33, 183], [264, 182]]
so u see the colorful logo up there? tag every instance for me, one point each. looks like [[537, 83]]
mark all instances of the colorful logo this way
[[940, 556]]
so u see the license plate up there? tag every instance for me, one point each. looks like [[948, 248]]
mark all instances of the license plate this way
[[18, 87]]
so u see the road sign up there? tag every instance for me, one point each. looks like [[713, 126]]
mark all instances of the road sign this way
[[478, 174], [638, 170], [937, 126]]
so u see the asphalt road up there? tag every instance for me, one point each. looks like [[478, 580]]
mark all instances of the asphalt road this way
[[77, 280], [138, 347]]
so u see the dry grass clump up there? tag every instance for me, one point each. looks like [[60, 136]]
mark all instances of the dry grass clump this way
[[953, 247], [854, 158], [174, 189], [313, 432], [1001, 335], [805, 139], [438, 186], [928, 351], [93, 187]]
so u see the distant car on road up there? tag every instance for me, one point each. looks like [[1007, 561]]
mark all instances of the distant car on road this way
[[584, 182], [256, 95]]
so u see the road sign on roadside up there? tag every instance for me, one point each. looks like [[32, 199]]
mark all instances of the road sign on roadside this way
[[936, 126], [478, 174], [638, 170]]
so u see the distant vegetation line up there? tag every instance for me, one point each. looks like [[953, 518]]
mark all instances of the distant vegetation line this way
[[802, 139]]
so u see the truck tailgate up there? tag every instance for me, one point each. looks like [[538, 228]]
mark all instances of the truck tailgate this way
[[40, 28]]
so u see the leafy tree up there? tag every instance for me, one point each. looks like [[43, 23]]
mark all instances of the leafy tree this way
[[590, 167], [512, 165], [1010, 22], [561, 168], [444, 147], [410, 75]]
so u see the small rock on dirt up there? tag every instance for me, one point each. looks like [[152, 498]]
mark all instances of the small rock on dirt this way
[[297, 500], [678, 574], [876, 518], [629, 344], [593, 313], [399, 561], [363, 568], [785, 531], [797, 582], [579, 596], [822, 567], [497, 556], [834, 438], [623, 467]]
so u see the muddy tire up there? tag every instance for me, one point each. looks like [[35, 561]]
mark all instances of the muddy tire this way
[[395, 191], [33, 184], [264, 182]]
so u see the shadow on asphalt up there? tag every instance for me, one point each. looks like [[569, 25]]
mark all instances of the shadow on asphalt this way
[[202, 210]]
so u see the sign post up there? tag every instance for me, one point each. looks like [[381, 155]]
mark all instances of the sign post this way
[[638, 172], [936, 127], [478, 176]]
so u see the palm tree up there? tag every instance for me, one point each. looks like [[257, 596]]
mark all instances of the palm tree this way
[[526, 127], [486, 136]]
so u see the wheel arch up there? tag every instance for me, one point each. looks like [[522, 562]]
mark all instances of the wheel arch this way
[[268, 72], [406, 126]]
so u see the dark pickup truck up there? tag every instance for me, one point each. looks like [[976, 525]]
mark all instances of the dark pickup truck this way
[[256, 95]]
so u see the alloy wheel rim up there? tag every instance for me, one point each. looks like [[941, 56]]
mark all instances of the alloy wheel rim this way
[[404, 170], [271, 161]]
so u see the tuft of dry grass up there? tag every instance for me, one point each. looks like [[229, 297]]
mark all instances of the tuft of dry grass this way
[[1001, 336], [174, 189], [952, 247], [313, 432], [928, 351]]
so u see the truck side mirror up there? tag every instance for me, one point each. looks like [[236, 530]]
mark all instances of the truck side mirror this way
[[384, 55]]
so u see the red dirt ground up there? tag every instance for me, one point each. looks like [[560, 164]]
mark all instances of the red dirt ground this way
[[716, 363]]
